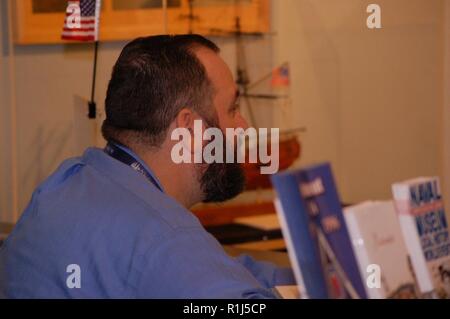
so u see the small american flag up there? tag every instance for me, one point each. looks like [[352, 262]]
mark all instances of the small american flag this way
[[82, 20], [280, 76]]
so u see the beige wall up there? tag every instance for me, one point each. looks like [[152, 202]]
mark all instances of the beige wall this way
[[446, 110], [371, 100]]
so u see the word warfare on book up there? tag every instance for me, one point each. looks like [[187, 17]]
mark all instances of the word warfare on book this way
[[211, 146]]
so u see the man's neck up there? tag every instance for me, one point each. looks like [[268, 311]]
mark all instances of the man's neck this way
[[176, 179]]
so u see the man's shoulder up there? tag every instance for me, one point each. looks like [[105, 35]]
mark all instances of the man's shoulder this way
[[80, 214], [80, 189]]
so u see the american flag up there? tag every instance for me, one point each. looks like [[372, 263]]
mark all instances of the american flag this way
[[280, 76], [82, 20]]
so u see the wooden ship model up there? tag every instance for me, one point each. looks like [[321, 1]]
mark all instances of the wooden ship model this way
[[289, 142]]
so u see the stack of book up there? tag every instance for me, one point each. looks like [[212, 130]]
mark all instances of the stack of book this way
[[376, 249]]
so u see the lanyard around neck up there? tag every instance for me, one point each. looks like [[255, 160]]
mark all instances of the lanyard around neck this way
[[119, 154]]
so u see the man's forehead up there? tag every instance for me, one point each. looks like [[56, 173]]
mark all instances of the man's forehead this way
[[216, 68]]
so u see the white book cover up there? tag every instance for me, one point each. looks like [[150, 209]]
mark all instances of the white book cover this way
[[377, 240], [425, 230]]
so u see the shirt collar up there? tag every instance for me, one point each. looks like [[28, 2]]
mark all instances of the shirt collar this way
[[137, 158]]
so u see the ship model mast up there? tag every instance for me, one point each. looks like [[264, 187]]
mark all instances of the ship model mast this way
[[289, 143]]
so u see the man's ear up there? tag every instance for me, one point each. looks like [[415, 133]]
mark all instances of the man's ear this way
[[185, 119]]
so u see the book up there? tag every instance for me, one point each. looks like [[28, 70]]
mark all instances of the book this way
[[300, 241], [316, 235], [377, 240], [425, 230]]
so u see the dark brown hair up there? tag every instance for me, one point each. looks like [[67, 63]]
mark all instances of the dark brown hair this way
[[152, 80]]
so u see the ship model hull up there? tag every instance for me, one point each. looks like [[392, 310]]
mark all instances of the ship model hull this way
[[289, 152]]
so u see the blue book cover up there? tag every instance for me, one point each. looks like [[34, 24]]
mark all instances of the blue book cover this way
[[311, 192], [300, 237]]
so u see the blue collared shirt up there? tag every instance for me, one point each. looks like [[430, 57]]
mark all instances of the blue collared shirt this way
[[128, 238]]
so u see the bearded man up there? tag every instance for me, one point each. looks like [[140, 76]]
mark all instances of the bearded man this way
[[115, 222]]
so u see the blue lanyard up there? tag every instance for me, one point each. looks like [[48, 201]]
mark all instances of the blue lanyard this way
[[119, 154]]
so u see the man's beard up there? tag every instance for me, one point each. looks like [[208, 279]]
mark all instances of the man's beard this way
[[222, 181]]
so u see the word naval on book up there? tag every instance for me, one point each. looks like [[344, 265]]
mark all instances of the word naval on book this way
[[331, 249], [425, 230]]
